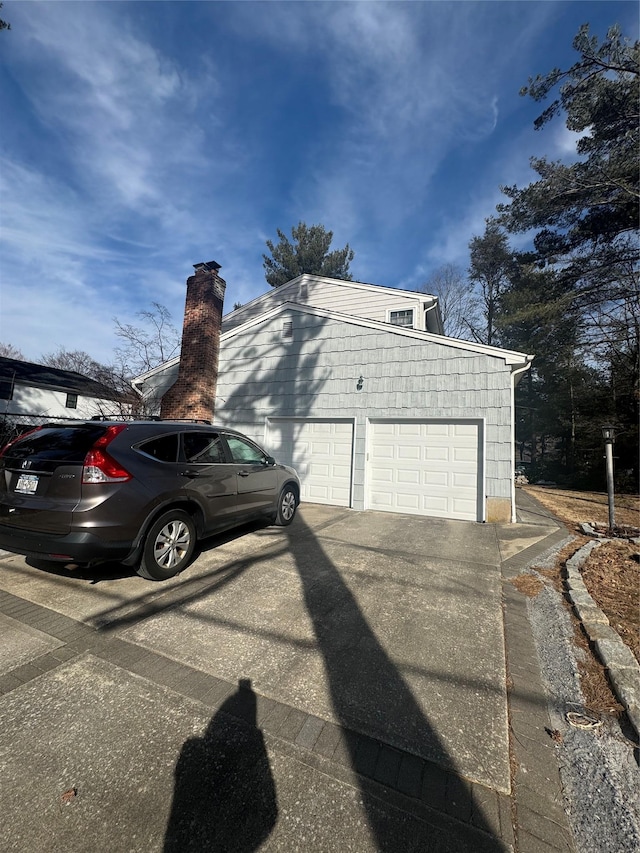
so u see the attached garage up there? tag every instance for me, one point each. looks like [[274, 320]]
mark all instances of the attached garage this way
[[321, 451], [372, 413], [431, 467]]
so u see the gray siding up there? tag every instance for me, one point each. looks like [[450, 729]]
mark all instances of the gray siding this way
[[314, 375]]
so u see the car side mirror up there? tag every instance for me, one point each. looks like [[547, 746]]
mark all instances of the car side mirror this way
[[269, 460]]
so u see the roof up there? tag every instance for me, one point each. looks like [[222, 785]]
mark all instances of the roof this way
[[511, 357], [13, 371], [515, 360]]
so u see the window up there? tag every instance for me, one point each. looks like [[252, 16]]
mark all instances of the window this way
[[72, 401], [6, 387], [203, 447], [164, 448], [402, 318], [242, 451], [61, 444]]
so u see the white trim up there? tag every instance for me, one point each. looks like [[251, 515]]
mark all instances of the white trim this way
[[391, 311], [515, 378], [483, 471]]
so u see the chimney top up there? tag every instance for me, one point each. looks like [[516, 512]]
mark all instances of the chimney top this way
[[209, 266]]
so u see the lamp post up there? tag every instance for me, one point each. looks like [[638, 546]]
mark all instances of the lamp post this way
[[609, 435]]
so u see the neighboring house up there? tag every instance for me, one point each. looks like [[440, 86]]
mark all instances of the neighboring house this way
[[356, 386], [34, 391]]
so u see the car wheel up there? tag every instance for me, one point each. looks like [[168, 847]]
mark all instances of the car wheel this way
[[168, 547], [287, 504]]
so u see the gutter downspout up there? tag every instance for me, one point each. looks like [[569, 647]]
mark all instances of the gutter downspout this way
[[426, 310], [516, 375]]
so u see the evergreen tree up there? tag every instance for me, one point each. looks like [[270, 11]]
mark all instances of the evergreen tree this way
[[586, 214], [309, 253], [492, 265]]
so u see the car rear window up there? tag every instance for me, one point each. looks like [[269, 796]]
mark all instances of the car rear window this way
[[64, 444], [164, 448]]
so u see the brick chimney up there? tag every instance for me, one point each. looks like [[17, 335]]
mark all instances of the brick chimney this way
[[194, 392]]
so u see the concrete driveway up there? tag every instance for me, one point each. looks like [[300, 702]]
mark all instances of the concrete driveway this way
[[386, 625]]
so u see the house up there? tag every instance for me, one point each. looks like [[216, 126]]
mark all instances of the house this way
[[358, 388], [30, 392]]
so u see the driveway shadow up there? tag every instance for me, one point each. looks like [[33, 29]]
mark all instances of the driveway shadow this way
[[224, 796], [369, 695]]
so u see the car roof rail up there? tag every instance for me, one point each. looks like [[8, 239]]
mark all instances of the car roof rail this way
[[187, 421]]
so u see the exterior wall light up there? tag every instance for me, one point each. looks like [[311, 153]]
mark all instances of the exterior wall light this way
[[360, 383]]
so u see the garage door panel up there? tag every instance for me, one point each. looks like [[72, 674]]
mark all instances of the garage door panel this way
[[321, 452], [436, 454], [408, 451], [341, 472], [342, 449], [319, 469], [463, 481], [435, 479], [464, 454], [383, 452], [432, 429], [408, 478], [469, 430], [382, 476], [426, 468], [408, 430], [407, 503], [434, 505]]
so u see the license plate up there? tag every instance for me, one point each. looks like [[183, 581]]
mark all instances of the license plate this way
[[27, 483]]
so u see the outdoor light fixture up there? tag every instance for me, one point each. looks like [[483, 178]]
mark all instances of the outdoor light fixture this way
[[360, 383], [609, 435]]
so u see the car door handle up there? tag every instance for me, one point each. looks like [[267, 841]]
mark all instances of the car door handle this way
[[191, 474], [243, 473]]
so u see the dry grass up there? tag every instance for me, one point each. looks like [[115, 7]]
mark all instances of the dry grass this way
[[611, 574], [574, 507]]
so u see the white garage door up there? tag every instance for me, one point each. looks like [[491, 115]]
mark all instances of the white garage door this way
[[425, 468], [320, 451]]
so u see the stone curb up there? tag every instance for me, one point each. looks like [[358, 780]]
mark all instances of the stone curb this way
[[623, 668]]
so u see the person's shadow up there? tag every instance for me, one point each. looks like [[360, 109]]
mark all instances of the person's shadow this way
[[224, 796]]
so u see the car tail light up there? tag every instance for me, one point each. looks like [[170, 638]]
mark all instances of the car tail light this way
[[99, 466]]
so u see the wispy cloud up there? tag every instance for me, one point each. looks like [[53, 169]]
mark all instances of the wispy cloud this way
[[142, 138]]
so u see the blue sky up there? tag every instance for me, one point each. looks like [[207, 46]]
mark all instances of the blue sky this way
[[140, 138]]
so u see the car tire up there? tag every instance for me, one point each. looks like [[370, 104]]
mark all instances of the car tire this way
[[168, 546], [287, 505]]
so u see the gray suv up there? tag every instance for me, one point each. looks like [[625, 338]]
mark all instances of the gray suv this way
[[139, 492]]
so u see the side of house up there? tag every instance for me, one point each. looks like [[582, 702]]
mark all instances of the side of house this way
[[36, 390], [373, 415]]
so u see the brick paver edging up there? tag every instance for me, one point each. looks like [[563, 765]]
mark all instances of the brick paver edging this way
[[541, 823]]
